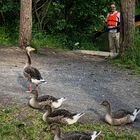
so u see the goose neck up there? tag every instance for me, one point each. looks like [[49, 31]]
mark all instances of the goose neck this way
[[29, 58], [35, 96], [109, 109], [57, 135], [49, 109]]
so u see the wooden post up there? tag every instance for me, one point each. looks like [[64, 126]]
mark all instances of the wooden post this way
[[25, 34], [127, 25]]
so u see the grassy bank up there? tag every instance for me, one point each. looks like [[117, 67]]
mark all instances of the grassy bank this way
[[24, 123], [131, 59]]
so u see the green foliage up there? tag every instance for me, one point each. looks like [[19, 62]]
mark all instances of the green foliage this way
[[44, 40], [3, 36], [7, 38], [76, 20], [8, 10], [58, 23], [137, 7]]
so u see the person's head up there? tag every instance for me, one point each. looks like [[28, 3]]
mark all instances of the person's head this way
[[113, 7]]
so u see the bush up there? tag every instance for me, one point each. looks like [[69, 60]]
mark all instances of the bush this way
[[7, 38], [132, 56]]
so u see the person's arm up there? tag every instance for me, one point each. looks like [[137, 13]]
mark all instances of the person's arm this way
[[118, 18]]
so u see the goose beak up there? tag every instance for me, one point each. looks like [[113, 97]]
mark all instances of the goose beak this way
[[81, 114], [64, 99], [29, 49]]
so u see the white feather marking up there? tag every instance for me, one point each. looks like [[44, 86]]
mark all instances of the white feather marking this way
[[135, 113], [58, 103], [74, 119], [35, 81], [44, 116], [95, 134]]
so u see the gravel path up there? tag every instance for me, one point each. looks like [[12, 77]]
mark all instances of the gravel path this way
[[84, 80]]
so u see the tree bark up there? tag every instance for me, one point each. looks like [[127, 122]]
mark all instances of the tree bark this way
[[127, 25], [25, 34]]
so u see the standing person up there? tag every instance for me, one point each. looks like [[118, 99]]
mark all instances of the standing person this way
[[113, 22]]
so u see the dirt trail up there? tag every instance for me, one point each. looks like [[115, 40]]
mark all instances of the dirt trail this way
[[83, 79]]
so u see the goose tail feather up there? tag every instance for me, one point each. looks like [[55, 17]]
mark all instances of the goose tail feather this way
[[79, 115], [95, 134], [43, 81], [135, 113]]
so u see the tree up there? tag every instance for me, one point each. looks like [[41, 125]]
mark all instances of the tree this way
[[41, 9], [127, 25], [25, 35]]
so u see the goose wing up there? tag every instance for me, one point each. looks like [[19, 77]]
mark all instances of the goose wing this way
[[120, 113], [32, 72], [76, 133], [44, 104], [76, 136], [56, 119], [46, 97], [61, 112]]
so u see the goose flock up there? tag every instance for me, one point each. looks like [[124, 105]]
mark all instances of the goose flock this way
[[55, 116]]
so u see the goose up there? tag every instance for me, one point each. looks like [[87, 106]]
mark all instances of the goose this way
[[32, 74], [42, 101], [75, 135], [121, 117], [61, 116]]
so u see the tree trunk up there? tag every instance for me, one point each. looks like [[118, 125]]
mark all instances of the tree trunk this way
[[25, 34], [127, 25]]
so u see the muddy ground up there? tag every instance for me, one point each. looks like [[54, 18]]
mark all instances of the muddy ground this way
[[84, 80]]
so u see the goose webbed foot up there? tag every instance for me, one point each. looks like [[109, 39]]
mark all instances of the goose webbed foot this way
[[30, 88]]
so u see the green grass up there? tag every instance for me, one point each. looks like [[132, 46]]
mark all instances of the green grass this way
[[44, 40], [10, 38], [59, 41], [24, 123], [87, 45], [6, 38], [129, 65], [131, 59]]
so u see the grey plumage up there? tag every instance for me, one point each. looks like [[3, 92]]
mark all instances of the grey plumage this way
[[47, 97], [61, 116], [32, 74], [41, 101], [61, 112], [120, 117], [74, 135]]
